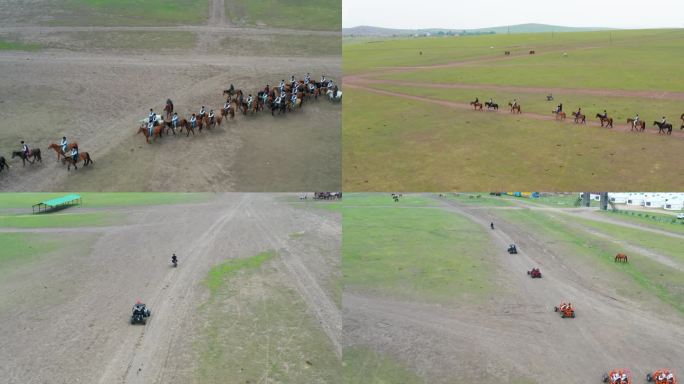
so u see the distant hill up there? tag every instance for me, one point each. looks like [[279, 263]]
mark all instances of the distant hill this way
[[522, 28]]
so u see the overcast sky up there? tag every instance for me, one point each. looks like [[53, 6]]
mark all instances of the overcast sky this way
[[462, 14]]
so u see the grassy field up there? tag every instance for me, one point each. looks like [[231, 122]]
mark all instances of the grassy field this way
[[393, 143], [64, 220], [649, 219], [295, 14], [23, 247], [258, 329], [406, 145], [481, 199], [26, 200], [416, 253], [130, 12], [8, 45], [365, 366], [646, 278]]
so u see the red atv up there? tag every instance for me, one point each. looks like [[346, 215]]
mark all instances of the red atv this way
[[535, 273]]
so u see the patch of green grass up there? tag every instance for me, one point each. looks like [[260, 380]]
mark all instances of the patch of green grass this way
[[96, 199], [273, 45], [408, 145], [483, 199], [132, 12], [18, 46], [648, 219], [23, 247], [416, 253], [61, 220], [295, 14], [221, 273], [128, 40], [385, 199], [258, 329], [647, 278], [363, 365]]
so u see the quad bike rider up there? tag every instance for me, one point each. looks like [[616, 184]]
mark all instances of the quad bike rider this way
[[512, 249], [174, 260], [662, 376], [491, 225], [565, 309], [535, 273], [618, 376], [140, 313]]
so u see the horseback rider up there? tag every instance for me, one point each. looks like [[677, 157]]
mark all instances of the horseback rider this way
[[267, 89], [559, 109], [515, 103], [64, 144], [322, 79], [491, 101], [307, 78], [25, 149], [292, 81], [330, 84], [278, 99], [491, 225], [74, 153], [193, 121], [293, 99], [605, 114], [152, 116], [282, 85], [636, 119], [150, 128], [174, 259], [202, 112], [335, 90], [579, 112], [477, 100], [211, 116], [174, 120], [227, 106], [250, 100], [663, 121]]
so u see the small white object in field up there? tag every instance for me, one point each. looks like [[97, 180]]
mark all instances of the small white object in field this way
[[565, 54], [491, 47]]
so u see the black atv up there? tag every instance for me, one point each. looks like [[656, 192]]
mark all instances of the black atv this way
[[140, 314], [512, 249]]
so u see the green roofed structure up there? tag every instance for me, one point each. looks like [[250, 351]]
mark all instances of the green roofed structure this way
[[58, 203]]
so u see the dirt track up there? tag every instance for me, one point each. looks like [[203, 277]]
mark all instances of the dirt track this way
[[97, 97], [75, 304], [517, 336]]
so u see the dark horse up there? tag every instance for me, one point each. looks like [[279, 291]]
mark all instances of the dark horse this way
[[605, 119], [579, 118], [3, 163], [493, 106], [83, 156], [476, 105], [35, 153], [663, 128]]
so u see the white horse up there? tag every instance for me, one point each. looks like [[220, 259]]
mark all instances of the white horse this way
[[334, 98]]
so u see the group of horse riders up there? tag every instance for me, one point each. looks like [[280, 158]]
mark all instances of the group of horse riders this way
[[63, 143], [604, 115]]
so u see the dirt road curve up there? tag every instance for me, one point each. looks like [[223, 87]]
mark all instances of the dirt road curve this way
[[70, 312], [504, 110], [517, 336]]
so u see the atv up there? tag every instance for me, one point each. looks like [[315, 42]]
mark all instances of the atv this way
[[535, 273], [512, 249], [140, 313]]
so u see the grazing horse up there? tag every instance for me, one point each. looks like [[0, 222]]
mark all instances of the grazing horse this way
[[641, 124], [156, 133], [476, 105], [3, 163], [663, 128], [682, 117], [35, 153], [620, 258], [532, 52], [515, 108], [58, 148], [579, 118], [607, 120], [491, 106], [559, 115], [83, 156], [507, 53]]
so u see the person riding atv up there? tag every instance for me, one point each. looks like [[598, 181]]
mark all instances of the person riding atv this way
[[174, 260], [140, 313], [491, 225]]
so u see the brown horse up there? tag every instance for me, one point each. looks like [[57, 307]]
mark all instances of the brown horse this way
[[507, 53], [156, 133], [607, 120], [35, 153], [532, 52], [58, 148], [682, 117], [476, 106], [641, 124], [229, 112], [620, 258], [82, 157], [579, 118], [188, 128], [515, 109], [560, 115]]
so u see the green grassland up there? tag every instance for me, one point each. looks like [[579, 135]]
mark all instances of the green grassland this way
[[26, 200], [61, 220], [9, 45], [363, 365], [413, 253], [393, 143], [619, 108], [258, 329], [629, 65], [646, 278], [648, 219], [364, 55], [397, 144], [23, 247], [130, 12], [480, 199], [295, 14]]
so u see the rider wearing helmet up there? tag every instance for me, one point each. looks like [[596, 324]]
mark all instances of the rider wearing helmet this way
[[174, 120], [64, 144], [193, 121], [25, 149], [211, 116], [74, 153]]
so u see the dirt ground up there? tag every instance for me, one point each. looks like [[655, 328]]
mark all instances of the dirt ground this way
[[94, 84], [70, 308], [517, 337]]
